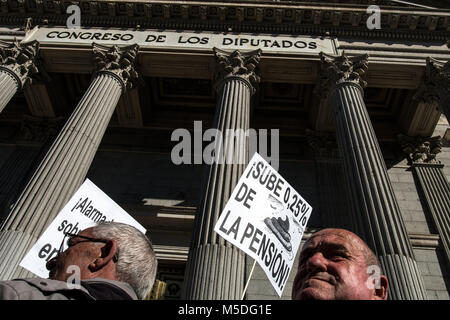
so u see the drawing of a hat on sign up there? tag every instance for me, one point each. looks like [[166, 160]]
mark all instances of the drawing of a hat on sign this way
[[279, 224]]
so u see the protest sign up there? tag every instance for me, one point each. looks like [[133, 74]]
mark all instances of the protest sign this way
[[88, 206], [266, 218]]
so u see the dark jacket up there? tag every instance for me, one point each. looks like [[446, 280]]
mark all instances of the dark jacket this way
[[46, 289]]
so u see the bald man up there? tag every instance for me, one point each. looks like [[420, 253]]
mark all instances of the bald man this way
[[335, 264]]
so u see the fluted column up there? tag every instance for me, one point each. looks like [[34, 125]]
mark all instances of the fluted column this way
[[434, 186], [371, 194], [65, 165], [216, 268], [436, 84], [17, 64], [332, 204]]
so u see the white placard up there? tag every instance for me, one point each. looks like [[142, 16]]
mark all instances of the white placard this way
[[88, 206], [266, 218]]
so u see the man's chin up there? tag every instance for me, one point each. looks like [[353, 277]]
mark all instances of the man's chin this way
[[313, 293]]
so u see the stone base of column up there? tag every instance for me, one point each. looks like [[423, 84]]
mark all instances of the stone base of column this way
[[18, 243], [401, 272], [219, 273]]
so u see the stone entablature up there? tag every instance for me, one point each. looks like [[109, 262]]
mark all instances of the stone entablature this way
[[293, 18], [394, 66]]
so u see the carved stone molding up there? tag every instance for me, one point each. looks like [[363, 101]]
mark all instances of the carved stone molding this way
[[236, 64], [38, 130], [323, 143], [27, 24], [340, 69], [298, 18], [421, 150], [117, 61], [20, 59], [424, 241]]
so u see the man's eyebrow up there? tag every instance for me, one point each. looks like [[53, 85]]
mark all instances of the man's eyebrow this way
[[71, 240], [335, 246], [307, 251]]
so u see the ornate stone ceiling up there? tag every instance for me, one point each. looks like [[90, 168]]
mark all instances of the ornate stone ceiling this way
[[170, 103]]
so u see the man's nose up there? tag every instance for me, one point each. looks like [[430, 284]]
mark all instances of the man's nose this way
[[316, 262]]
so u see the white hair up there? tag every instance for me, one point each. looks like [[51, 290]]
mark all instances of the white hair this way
[[137, 262]]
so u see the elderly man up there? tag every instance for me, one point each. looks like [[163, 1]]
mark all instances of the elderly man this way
[[114, 261], [335, 264]]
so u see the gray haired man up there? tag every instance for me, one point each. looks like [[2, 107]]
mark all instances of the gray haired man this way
[[113, 261], [334, 264]]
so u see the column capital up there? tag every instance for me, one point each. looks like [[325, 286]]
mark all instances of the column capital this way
[[237, 65], [20, 60], [342, 69], [436, 83], [38, 129], [323, 143], [117, 61], [421, 150]]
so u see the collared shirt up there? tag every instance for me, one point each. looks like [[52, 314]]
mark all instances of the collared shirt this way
[[47, 289]]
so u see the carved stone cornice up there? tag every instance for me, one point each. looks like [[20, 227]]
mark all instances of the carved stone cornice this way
[[245, 16], [323, 143], [27, 24], [117, 61], [237, 65], [421, 150], [342, 69], [20, 60]]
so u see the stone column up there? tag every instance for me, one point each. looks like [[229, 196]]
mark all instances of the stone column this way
[[215, 268], [371, 194], [17, 64], [332, 204], [437, 84], [434, 186], [65, 165]]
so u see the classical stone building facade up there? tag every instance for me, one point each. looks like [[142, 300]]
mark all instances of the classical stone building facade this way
[[361, 112]]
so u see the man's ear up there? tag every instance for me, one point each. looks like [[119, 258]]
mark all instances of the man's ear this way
[[382, 292], [108, 253]]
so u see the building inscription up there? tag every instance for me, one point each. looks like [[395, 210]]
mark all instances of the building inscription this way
[[186, 40]]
